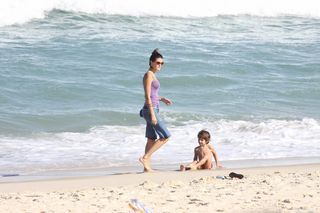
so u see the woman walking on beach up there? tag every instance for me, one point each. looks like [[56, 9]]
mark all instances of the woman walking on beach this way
[[155, 126]]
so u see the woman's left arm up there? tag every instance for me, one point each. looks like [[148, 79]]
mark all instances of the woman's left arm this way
[[165, 100]]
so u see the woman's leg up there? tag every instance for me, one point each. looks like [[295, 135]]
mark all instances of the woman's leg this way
[[161, 130], [145, 161], [151, 139], [155, 146], [149, 144], [151, 147]]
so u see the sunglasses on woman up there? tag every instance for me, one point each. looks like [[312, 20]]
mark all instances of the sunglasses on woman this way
[[158, 62]]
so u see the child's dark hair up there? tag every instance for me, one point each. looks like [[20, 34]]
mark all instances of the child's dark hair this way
[[203, 134], [154, 55]]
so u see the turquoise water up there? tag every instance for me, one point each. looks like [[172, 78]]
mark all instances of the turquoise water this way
[[71, 85]]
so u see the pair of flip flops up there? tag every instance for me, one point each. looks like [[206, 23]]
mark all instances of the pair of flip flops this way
[[235, 175], [231, 175]]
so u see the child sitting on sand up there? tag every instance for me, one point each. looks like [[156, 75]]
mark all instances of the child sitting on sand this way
[[203, 154]]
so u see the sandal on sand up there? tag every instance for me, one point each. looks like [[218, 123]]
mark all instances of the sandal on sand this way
[[235, 175]]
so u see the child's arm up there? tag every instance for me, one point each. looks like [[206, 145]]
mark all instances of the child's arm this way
[[202, 161], [214, 153], [191, 165], [195, 158]]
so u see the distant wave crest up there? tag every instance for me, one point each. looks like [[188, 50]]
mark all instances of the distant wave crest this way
[[20, 11]]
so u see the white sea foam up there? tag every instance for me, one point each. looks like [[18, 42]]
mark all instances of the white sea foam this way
[[20, 11], [109, 146]]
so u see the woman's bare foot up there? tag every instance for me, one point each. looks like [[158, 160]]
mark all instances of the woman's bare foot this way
[[182, 168], [148, 170], [145, 162]]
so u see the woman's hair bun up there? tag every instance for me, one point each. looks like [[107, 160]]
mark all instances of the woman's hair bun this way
[[156, 51], [155, 54]]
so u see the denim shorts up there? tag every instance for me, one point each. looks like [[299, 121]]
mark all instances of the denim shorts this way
[[152, 131]]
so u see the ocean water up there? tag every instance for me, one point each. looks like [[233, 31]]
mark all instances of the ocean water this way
[[71, 80]]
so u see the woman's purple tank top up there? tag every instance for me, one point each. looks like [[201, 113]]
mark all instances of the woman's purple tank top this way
[[155, 86]]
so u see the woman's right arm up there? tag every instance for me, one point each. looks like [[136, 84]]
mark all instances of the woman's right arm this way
[[147, 81]]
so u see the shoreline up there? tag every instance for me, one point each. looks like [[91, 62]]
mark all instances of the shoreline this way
[[103, 172], [124, 179]]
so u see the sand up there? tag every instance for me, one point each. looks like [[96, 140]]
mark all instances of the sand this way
[[269, 189]]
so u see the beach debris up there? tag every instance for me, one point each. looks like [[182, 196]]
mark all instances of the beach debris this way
[[286, 201], [206, 179], [235, 175], [138, 207], [221, 177]]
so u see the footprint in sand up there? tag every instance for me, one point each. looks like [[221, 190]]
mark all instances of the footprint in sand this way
[[202, 204], [195, 199]]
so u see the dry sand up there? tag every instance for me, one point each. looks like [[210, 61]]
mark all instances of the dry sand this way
[[271, 189]]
